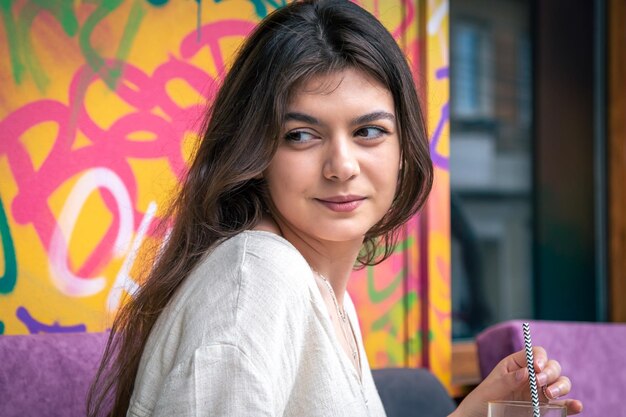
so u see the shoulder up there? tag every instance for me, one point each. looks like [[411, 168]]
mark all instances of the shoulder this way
[[251, 267], [256, 255], [255, 249], [268, 251], [247, 284], [258, 243], [271, 267]]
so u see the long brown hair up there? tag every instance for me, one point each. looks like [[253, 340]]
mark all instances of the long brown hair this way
[[222, 194]]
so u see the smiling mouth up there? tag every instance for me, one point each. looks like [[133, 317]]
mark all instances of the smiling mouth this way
[[342, 204]]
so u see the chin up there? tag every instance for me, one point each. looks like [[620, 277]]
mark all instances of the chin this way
[[338, 235]]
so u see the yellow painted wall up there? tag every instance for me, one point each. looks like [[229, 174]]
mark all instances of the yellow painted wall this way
[[99, 105]]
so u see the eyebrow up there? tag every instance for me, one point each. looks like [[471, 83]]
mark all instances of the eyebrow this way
[[366, 118]]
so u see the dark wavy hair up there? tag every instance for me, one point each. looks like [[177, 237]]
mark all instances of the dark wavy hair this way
[[222, 194]]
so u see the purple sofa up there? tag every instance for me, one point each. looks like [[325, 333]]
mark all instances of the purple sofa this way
[[592, 355], [49, 375]]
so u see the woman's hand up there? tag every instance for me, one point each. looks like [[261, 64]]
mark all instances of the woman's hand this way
[[509, 381]]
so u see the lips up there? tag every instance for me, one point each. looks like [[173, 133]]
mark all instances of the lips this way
[[342, 203]]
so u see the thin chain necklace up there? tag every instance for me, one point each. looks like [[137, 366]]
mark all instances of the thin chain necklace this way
[[344, 320]]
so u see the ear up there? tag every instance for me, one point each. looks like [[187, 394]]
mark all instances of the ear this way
[[259, 176]]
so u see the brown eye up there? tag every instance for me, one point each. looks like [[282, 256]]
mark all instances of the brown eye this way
[[299, 136], [370, 132]]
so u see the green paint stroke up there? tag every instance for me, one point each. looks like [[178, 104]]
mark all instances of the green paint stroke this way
[[378, 296], [63, 11], [136, 15], [95, 61], [1, 327], [17, 67], [396, 315], [8, 280], [404, 245], [395, 352], [401, 246], [33, 66], [415, 344], [20, 50]]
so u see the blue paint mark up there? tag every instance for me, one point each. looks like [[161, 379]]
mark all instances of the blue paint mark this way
[[1, 327], [35, 326], [438, 159], [261, 10], [158, 3], [277, 4]]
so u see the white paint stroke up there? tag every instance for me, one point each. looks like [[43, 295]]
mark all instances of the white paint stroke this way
[[434, 22], [64, 279], [443, 45], [123, 280]]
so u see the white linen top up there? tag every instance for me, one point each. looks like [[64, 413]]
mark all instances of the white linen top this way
[[248, 334]]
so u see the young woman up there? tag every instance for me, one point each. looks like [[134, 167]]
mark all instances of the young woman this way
[[313, 155]]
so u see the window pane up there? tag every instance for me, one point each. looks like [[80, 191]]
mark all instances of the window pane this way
[[490, 163]]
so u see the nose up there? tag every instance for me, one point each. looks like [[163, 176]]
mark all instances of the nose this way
[[341, 160]]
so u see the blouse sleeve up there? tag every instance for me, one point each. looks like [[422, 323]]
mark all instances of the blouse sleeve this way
[[231, 343], [218, 380]]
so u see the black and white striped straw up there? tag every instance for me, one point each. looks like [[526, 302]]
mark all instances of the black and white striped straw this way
[[528, 344]]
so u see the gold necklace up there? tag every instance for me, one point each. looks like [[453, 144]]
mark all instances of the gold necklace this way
[[344, 319]]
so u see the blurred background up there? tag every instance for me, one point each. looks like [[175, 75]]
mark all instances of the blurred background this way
[[537, 157]]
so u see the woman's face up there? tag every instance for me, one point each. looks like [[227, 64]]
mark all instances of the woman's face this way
[[336, 169]]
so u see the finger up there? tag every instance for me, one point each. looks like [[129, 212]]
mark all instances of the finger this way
[[560, 387], [513, 380], [541, 358], [572, 406], [518, 359], [549, 374]]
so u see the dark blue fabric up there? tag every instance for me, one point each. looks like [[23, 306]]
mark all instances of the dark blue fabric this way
[[412, 392]]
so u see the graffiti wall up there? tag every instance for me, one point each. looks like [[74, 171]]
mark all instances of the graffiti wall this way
[[100, 103], [437, 313]]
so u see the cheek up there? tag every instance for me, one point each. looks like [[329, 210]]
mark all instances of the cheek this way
[[386, 169], [285, 177], [293, 167], [390, 184]]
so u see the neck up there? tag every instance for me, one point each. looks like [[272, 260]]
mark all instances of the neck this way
[[336, 272], [334, 260]]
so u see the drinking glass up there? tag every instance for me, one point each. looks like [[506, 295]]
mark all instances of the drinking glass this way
[[524, 409]]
